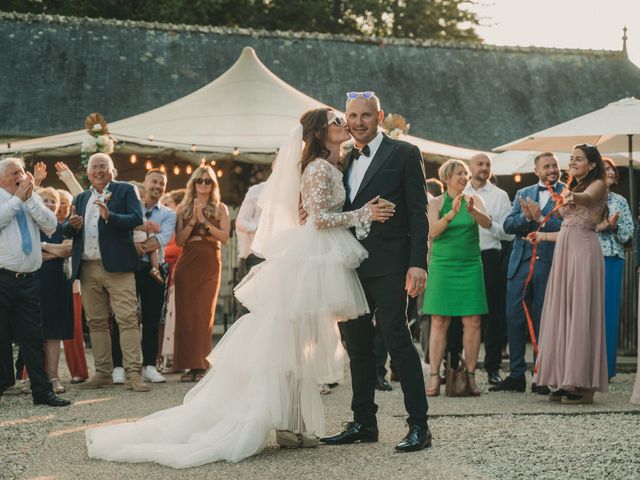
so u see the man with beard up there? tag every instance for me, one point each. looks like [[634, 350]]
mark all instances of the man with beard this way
[[530, 207], [159, 224], [498, 207]]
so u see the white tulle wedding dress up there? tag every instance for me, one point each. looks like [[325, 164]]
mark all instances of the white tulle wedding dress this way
[[265, 370]]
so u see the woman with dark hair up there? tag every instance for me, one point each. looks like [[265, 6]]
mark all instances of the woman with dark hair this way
[[265, 370], [572, 358], [614, 231]]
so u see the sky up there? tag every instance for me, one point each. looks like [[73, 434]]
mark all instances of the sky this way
[[590, 24]]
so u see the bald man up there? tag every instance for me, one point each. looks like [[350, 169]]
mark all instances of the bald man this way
[[498, 207]]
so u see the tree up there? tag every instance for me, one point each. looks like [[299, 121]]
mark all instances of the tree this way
[[420, 19]]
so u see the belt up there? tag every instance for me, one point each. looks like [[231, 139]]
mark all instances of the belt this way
[[18, 275]]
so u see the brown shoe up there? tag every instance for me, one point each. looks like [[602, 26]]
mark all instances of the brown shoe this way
[[99, 380], [136, 383]]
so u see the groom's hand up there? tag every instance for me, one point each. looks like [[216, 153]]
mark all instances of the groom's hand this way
[[416, 281]]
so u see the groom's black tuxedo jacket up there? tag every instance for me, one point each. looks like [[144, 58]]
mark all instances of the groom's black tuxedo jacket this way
[[396, 173]]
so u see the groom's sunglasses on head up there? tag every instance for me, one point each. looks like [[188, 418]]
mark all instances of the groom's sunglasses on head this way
[[365, 95]]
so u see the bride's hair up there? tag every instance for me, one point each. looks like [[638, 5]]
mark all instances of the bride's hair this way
[[314, 135]]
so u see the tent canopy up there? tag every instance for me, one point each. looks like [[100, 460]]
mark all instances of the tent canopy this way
[[247, 112]]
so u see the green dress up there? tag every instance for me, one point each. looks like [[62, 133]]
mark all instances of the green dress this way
[[455, 285]]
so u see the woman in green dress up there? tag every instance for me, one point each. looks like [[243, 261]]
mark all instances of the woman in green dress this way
[[455, 286]]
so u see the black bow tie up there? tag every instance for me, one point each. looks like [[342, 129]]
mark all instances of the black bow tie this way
[[542, 188], [356, 152]]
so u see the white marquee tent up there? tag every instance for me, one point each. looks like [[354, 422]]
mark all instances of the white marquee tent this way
[[247, 112]]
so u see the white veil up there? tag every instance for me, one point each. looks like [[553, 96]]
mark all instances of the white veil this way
[[279, 198]]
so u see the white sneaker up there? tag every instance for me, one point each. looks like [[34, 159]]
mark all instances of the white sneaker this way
[[151, 374], [118, 376]]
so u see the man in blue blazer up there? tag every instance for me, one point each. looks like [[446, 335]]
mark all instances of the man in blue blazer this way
[[104, 258], [530, 207]]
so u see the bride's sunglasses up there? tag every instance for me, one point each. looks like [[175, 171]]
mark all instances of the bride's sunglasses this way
[[338, 120]]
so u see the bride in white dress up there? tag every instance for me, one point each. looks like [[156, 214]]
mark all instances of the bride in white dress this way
[[265, 370]]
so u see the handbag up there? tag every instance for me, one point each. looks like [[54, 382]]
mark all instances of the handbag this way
[[457, 380]]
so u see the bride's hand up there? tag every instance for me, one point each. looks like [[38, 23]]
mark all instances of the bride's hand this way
[[380, 212]]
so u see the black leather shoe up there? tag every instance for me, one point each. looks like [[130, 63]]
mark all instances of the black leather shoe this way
[[494, 377], [540, 389], [51, 400], [418, 438], [383, 385], [353, 432], [510, 384]]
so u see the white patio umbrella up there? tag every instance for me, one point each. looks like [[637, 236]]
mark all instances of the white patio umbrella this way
[[611, 128]]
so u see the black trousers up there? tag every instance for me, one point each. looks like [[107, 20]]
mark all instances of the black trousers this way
[[492, 327], [246, 265], [21, 322], [151, 298], [388, 301]]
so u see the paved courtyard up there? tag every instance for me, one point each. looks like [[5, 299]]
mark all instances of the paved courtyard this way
[[496, 436]]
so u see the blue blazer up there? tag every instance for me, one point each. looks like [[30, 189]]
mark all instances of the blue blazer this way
[[117, 249], [517, 224]]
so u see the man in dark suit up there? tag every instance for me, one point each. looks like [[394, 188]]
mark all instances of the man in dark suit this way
[[104, 258], [530, 207], [396, 266]]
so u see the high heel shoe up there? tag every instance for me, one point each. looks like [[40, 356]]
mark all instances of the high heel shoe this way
[[56, 385], [474, 391], [434, 392]]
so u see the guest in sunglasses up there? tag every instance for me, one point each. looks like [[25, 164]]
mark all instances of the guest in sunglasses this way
[[202, 226]]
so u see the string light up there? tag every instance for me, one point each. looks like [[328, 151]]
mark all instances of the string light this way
[[212, 163], [133, 159], [148, 164], [188, 169], [193, 148], [517, 178], [163, 167], [236, 151], [219, 173], [176, 169]]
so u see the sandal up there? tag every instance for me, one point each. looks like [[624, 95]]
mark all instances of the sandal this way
[[56, 385], [434, 392], [198, 375], [188, 377], [156, 275], [474, 391]]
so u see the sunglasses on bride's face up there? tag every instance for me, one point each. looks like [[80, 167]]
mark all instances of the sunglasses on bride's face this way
[[205, 181], [338, 120]]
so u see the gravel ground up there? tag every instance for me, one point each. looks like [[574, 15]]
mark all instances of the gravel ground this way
[[496, 436]]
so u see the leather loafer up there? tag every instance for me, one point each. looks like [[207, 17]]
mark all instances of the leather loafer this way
[[510, 384], [540, 389], [383, 385], [418, 438], [353, 432], [50, 399], [494, 377]]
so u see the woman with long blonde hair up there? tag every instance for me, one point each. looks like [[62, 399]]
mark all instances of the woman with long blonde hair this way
[[202, 226]]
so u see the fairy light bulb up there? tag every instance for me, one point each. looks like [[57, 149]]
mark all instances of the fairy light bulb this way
[[220, 173], [133, 159], [188, 169], [517, 178], [236, 151], [176, 169], [148, 164], [163, 167]]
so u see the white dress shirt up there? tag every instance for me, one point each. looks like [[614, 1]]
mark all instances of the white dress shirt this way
[[247, 220], [498, 206], [38, 217], [359, 167], [91, 234], [544, 195]]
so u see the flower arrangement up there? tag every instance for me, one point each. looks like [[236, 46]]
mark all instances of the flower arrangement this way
[[98, 140], [394, 125]]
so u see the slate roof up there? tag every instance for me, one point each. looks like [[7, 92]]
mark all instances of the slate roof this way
[[56, 70]]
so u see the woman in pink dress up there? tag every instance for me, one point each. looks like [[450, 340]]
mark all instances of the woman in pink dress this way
[[572, 358]]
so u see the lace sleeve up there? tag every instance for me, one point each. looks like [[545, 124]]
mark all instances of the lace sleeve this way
[[319, 195]]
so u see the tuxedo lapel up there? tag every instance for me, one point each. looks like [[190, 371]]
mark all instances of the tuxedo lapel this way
[[82, 203], [384, 150], [347, 170]]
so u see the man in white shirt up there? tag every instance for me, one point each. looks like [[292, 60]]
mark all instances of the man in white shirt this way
[[246, 226], [498, 207], [22, 216]]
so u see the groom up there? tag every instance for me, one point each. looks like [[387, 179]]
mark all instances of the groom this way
[[397, 263]]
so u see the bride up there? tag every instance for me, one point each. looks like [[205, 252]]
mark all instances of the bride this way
[[266, 368]]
